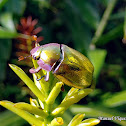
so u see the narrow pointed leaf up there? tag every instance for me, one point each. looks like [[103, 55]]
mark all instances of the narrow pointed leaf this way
[[70, 93], [76, 120], [31, 109], [8, 118], [116, 99], [7, 21], [37, 83], [91, 121], [27, 116], [113, 34], [27, 81], [69, 101], [104, 21], [43, 83], [4, 33], [97, 57], [54, 93]]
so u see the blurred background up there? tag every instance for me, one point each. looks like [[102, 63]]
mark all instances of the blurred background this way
[[96, 28]]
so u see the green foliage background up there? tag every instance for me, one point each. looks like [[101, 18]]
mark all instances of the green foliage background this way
[[76, 23]]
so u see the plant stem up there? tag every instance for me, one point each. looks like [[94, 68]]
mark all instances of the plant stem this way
[[103, 21], [47, 105]]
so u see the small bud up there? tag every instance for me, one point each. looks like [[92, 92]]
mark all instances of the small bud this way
[[57, 121], [90, 122], [67, 102], [54, 93], [76, 120], [34, 102]]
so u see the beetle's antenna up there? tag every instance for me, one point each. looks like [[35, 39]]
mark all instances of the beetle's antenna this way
[[34, 39], [22, 58]]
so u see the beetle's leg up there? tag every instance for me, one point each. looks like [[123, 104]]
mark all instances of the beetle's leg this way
[[32, 70], [40, 78], [45, 76], [58, 63]]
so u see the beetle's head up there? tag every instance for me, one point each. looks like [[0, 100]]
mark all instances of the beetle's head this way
[[35, 53]]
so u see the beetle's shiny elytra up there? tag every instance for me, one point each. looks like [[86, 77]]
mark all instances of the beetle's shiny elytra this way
[[67, 64]]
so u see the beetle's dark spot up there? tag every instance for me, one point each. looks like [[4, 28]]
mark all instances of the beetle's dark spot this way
[[60, 73], [74, 68]]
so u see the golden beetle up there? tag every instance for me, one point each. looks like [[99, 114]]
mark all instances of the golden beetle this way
[[68, 65]]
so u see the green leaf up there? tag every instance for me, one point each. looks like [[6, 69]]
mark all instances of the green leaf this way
[[27, 81], [31, 109], [16, 6], [54, 93], [5, 52], [43, 3], [98, 111], [90, 122], [4, 33], [79, 31], [117, 16], [27, 116], [7, 21], [104, 21], [67, 116], [110, 35], [3, 70], [74, 98], [97, 57], [2, 2], [87, 12], [116, 99], [5, 49], [76, 119], [8, 118], [104, 2]]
